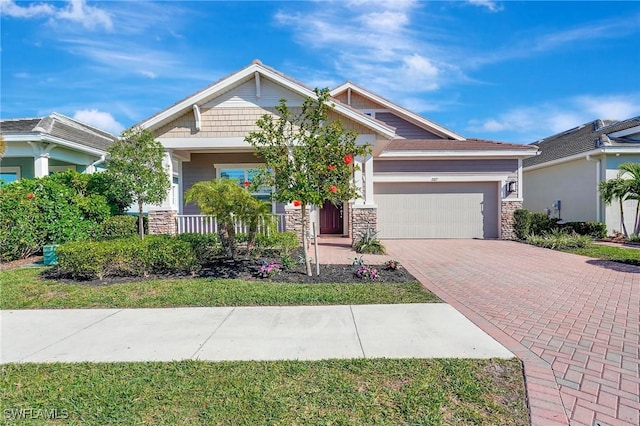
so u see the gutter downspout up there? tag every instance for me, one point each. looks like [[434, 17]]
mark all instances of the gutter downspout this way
[[598, 200]]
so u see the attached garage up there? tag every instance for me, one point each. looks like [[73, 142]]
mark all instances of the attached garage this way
[[437, 210]]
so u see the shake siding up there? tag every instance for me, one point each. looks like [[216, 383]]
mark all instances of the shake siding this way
[[201, 168], [358, 102], [446, 166], [348, 124], [216, 122], [231, 122], [404, 128]]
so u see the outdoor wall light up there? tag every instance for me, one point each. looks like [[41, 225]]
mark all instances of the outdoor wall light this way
[[511, 186]]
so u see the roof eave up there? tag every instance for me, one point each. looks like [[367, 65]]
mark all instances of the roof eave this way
[[459, 153], [40, 137]]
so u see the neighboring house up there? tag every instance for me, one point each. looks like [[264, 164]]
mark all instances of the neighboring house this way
[[573, 163], [37, 147], [422, 181]]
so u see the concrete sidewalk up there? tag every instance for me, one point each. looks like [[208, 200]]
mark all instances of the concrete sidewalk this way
[[243, 333]]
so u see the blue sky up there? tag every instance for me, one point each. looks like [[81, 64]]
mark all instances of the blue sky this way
[[507, 71]]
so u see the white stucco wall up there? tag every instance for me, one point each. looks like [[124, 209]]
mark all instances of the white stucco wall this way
[[573, 183]]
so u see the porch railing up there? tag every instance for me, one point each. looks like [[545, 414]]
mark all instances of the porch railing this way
[[202, 224]]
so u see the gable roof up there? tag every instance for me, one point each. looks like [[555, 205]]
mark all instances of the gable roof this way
[[257, 69], [396, 109], [584, 138], [60, 129]]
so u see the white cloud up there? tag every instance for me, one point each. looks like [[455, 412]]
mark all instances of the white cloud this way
[[10, 8], [78, 11], [490, 5], [543, 120], [101, 120], [89, 16], [374, 43]]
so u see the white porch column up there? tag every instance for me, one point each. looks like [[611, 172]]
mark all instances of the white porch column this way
[[41, 154], [368, 181], [169, 202], [41, 165], [357, 180]]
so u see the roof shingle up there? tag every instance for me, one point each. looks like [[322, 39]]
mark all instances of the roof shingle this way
[[583, 138]]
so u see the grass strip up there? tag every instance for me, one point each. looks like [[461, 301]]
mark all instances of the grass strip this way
[[373, 391], [629, 256], [23, 288]]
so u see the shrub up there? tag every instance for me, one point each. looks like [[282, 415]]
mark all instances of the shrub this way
[[22, 233], [287, 262], [49, 210], [522, 223], [366, 273], [541, 223], [205, 247], [392, 265], [559, 240], [595, 230], [268, 270], [156, 254], [119, 227], [283, 241], [369, 243]]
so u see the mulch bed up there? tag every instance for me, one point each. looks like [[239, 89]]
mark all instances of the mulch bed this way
[[249, 269]]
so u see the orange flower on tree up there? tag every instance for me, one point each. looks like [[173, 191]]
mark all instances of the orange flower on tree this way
[[30, 195], [331, 167], [296, 203], [246, 183], [333, 188], [348, 159]]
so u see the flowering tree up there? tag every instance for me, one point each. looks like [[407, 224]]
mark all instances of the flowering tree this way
[[308, 158]]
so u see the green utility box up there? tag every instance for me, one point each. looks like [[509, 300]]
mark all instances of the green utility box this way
[[49, 255]]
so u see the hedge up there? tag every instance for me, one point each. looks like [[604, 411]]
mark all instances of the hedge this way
[[531, 223], [129, 257]]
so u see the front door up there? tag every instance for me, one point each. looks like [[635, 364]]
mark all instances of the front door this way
[[330, 219]]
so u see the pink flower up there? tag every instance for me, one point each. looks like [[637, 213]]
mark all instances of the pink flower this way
[[246, 183], [348, 159]]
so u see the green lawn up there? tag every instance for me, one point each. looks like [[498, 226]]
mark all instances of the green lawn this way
[[617, 254], [22, 288], [347, 392]]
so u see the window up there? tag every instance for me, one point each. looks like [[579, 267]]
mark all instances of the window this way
[[243, 173], [9, 174]]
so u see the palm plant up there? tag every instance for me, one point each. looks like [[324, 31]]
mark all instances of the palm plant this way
[[615, 189], [632, 182], [227, 202]]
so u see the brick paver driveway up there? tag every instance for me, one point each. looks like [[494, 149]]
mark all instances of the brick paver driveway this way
[[574, 321]]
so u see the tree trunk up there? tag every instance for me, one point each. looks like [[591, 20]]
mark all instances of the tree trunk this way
[[227, 239], [140, 220], [624, 226], [307, 261]]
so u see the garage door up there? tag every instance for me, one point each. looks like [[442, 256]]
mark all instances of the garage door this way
[[437, 210]]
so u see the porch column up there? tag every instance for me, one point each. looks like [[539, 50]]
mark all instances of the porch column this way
[[368, 181], [41, 153], [357, 180], [163, 218], [41, 165]]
